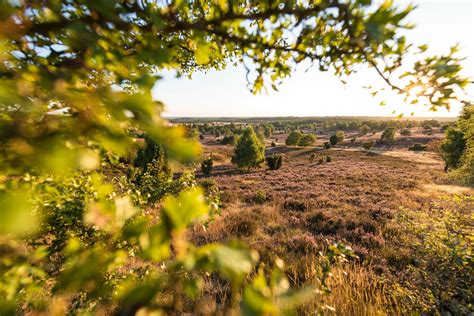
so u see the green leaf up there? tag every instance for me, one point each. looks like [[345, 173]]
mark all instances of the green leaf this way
[[16, 215], [189, 206], [232, 261], [203, 54]]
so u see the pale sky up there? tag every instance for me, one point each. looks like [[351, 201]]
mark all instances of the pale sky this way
[[439, 23]]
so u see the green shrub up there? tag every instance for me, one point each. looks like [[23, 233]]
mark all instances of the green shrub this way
[[388, 135], [275, 162], [333, 140], [268, 130], [405, 132], [418, 147], [327, 145], [453, 146], [328, 159], [228, 140], [364, 129], [206, 166], [293, 138], [307, 140], [186, 181], [149, 152], [340, 136], [458, 146], [249, 152], [368, 144], [151, 176]]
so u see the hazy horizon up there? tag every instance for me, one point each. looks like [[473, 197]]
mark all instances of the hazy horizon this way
[[309, 92], [311, 116]]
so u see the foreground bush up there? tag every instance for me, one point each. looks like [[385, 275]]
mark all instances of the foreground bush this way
[[275, 162]]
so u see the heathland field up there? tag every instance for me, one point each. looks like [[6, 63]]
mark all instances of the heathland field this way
[[405, 220]]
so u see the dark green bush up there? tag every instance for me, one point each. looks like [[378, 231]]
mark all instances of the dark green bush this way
[[228, 140], [453, 147], [307, 140], [274, 162], [327, 145], [206, 166], [333, 140], [368, 144], [364, 129], [249, 152], [151, 176], [293, 138], [146, 154], [328, 159], [151, 182], [388, 135]]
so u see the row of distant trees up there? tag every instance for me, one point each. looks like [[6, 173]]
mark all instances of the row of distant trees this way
[[266, 130]]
